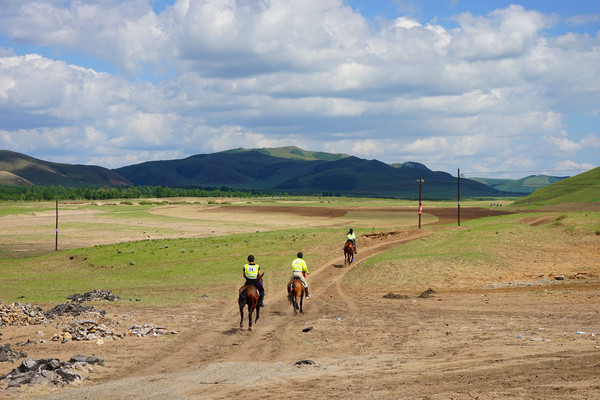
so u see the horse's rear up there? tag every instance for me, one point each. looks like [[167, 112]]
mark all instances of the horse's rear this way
[[248, 295], [295, 290], [348, 252]]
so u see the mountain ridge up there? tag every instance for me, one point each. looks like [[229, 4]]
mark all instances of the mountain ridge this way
[[284, 169]]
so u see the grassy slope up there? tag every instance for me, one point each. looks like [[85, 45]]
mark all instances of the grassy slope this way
[[8, 178], [45, 173], [584, 187]]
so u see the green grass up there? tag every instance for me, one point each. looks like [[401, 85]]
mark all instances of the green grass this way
[[160, 272], [484, 251]]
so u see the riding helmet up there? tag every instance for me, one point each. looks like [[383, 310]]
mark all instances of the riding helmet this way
[[250, 258], [300, 255]]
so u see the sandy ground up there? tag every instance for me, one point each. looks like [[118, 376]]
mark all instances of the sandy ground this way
[[528, 342]]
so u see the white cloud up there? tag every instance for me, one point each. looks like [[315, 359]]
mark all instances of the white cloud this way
[[309, 73], [569, 165], [562, 143]]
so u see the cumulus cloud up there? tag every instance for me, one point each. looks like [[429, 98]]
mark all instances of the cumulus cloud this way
[[561, 142], [208, 75]]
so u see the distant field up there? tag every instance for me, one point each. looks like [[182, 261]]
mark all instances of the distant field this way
[[168, 253]]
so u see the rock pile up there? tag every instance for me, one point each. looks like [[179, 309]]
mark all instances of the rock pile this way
[[6, 354], [148, 330], [48, 371], [94, 295], [21, 314], [72, 309], [87, 329]]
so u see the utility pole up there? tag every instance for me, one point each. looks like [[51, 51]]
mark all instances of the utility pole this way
[[421, 180], [458, 175], [56, 240]]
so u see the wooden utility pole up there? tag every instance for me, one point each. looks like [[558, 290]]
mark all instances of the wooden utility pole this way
[[56, 240], [458, 196], [420, 203]]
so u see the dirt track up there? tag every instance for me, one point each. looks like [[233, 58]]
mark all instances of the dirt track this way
[[487, 345], [528, 343]]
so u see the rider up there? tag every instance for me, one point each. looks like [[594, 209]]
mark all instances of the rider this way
[[351, 236], [251, 274], [298, 267]]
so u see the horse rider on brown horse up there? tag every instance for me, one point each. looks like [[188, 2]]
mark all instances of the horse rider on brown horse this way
[[352, 237], [299, 269], [251, 274]]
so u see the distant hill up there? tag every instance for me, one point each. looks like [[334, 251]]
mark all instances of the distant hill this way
[[328, 174], [525, 185], [582, 188], [409, 165], [294, 153], [8, 178], [20, 169]]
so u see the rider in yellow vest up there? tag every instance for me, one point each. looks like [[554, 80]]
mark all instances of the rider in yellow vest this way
[[251, 274], [351, 236], [298, 267]]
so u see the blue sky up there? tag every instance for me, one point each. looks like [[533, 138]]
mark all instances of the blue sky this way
[[484, 86]]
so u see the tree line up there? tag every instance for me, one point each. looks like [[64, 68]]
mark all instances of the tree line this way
[[41, 193]]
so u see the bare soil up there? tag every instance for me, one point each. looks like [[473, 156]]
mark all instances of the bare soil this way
[[528, 342]]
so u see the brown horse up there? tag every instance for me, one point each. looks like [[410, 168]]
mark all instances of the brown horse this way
[[249, 295], [348, 252], [295, 290]]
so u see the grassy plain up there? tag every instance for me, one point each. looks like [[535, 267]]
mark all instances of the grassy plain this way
[[172, 253]]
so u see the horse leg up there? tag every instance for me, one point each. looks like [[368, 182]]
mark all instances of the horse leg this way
[[241, 316], [301, 300], [250, 309], [295, 304], [257, 314]]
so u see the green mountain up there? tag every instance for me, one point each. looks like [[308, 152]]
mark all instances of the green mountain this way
[[582, 188], [294, 153], [20, 169], [343, 175], [525, 185]]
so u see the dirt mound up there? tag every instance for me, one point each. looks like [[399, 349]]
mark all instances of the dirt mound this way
[[538, 221], [428, 293], [391, 295]]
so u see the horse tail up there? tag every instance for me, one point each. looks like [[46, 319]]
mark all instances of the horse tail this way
[[243, 297], [291, 292]]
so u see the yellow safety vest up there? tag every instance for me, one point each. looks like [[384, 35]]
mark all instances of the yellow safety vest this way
[[251, 271], [299, 265], [351, 236]]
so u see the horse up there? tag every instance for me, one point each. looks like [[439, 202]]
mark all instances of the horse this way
[[249, 295], [348, 252], [296, 292]]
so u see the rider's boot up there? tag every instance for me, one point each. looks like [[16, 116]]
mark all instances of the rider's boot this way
[[306, 292], [260, 301]]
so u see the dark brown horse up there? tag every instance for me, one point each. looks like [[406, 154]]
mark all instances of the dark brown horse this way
[[295, 290], [249, 295], [348, 252]]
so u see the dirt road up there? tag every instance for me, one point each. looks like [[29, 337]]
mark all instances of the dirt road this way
[[528, 343]]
